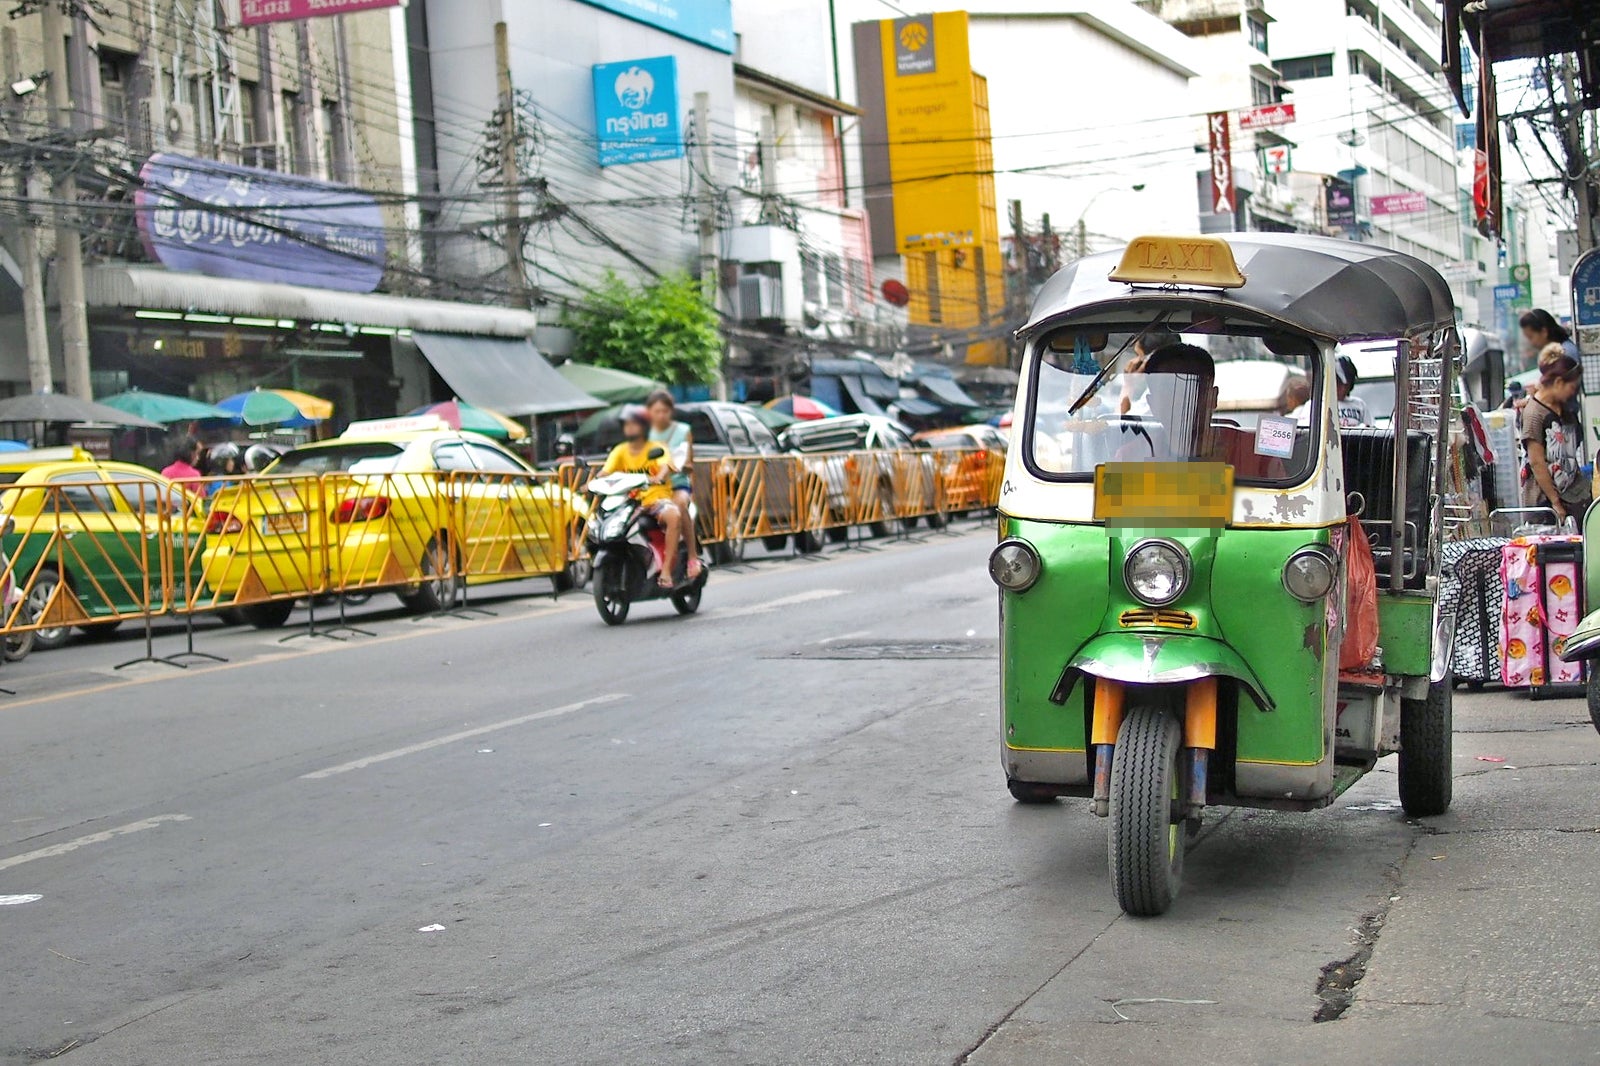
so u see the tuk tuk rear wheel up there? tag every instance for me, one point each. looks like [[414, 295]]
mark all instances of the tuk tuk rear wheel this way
[[1147, 838], [1426, 751]]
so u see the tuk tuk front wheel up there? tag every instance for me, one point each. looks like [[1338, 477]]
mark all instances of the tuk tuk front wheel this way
[[1147, 837], [1426, 751]]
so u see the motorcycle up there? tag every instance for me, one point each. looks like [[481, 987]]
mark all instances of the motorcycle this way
[[628, 548]]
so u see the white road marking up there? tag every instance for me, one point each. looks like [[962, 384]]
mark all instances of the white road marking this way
[[465, 734], [843, 636], [93, 838], [12, 901], [773, 605]]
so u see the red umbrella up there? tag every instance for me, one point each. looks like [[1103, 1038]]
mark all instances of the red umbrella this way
[[801, 407]]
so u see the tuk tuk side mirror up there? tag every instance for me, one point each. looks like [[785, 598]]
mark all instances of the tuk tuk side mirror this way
[[1355, 505]]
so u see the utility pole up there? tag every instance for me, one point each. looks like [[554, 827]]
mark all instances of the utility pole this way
[[35, 324], [1021, 277], [1581, 187], [510, 176], [710, 263], [1052, 254], [69, 243], [1082, 237]]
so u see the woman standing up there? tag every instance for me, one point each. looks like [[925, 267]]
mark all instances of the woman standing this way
[[1551, 474], [679, 442], [1540, 328]]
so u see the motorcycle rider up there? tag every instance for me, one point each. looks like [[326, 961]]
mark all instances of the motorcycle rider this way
[[634, 456]]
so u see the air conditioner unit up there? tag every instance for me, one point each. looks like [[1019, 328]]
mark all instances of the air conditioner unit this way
[[178, 125], [760, 298], [261, 154]]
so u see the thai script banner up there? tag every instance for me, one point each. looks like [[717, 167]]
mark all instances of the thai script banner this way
[[204, 217], [259, 12]]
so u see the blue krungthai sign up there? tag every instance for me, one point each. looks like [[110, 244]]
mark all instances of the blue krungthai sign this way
[[204, 217], [707, 22], [636, 111]]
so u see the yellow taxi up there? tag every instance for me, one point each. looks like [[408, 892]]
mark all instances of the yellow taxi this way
[[85, 538], [405, 504]]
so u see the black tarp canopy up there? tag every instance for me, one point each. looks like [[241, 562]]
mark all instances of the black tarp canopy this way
[[1338, 290], [502, 374]]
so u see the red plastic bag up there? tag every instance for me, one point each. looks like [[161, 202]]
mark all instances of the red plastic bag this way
[[1361, 603]]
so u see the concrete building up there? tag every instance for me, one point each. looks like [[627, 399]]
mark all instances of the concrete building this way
[[227, 137], [1231, 41], [1373, 109]]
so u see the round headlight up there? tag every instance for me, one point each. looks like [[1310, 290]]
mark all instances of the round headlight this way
[[1156, 572], [1014, 565], [1309, 573]]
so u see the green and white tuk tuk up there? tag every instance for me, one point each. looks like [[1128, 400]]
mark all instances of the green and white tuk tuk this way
[[1208, 605]]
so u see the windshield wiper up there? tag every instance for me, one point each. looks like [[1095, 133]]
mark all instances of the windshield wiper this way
[[1111, 364]]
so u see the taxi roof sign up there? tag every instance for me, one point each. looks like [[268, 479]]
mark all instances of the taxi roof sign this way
[[1203, 262], [383, 427]]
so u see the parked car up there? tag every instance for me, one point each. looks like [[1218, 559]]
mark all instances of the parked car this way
[[91, 525], [386, 521], [967, 459], [824, 445]]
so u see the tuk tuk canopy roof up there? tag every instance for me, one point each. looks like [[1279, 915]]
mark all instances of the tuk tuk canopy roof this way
[[1335, 289]]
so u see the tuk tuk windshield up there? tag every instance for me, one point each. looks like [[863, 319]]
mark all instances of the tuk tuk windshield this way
[[1212, 398]]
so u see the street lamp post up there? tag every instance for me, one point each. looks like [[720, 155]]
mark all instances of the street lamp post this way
[[1081, 227]]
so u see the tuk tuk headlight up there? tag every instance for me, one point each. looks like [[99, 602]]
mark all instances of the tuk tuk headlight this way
[[1014, 565], [1310, 572], [1156, 572]]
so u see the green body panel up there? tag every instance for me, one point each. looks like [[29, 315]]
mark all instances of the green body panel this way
[[1405, 633], [1246, 624], [1584, 643], [1591, 560]]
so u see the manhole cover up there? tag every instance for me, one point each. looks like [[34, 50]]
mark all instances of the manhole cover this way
[[901, 649]]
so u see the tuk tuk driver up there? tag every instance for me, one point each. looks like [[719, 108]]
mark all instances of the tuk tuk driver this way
[[1181, 379]]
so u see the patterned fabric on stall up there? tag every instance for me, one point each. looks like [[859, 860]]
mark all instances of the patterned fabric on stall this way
[[1472, 591], [1532, 590]]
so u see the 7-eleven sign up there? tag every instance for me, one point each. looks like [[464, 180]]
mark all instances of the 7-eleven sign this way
[[1276, 159]]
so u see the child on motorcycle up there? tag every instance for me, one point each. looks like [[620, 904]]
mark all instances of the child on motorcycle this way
[[636, 455]]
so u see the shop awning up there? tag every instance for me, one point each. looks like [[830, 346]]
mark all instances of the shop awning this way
[[157, 289], [857, 392], [946, 391], [509, 376], [917, 407]]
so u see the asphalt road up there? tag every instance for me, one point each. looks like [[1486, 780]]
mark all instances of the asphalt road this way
[[773, 833]]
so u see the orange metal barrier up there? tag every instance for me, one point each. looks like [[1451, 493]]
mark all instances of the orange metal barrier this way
[[509, 526], [251, 541], [85, 550], [89, 550]]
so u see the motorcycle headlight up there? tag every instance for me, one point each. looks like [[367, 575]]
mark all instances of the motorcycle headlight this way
[[614, 525], [1156, 572], [1309, 573], [1014, 565]]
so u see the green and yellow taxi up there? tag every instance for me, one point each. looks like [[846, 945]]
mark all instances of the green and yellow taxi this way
[[85, 539]]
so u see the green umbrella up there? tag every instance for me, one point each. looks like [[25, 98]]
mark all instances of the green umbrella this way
[[612, 386], [159, 407], [594, 422], [773, 420]]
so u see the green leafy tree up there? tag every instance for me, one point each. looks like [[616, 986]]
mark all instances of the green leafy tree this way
[[662, 329]]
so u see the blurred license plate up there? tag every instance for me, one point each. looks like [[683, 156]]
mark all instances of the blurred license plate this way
[[278, 525], [1176, 494]]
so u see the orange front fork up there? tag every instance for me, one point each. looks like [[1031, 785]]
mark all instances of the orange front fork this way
[[1199, 738]]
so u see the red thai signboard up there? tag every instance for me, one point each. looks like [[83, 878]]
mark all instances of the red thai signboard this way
[[1266, 117], [1221, 163], [258, 12]]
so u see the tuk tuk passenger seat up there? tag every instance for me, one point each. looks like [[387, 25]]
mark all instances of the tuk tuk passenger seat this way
[[1369, 470]]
